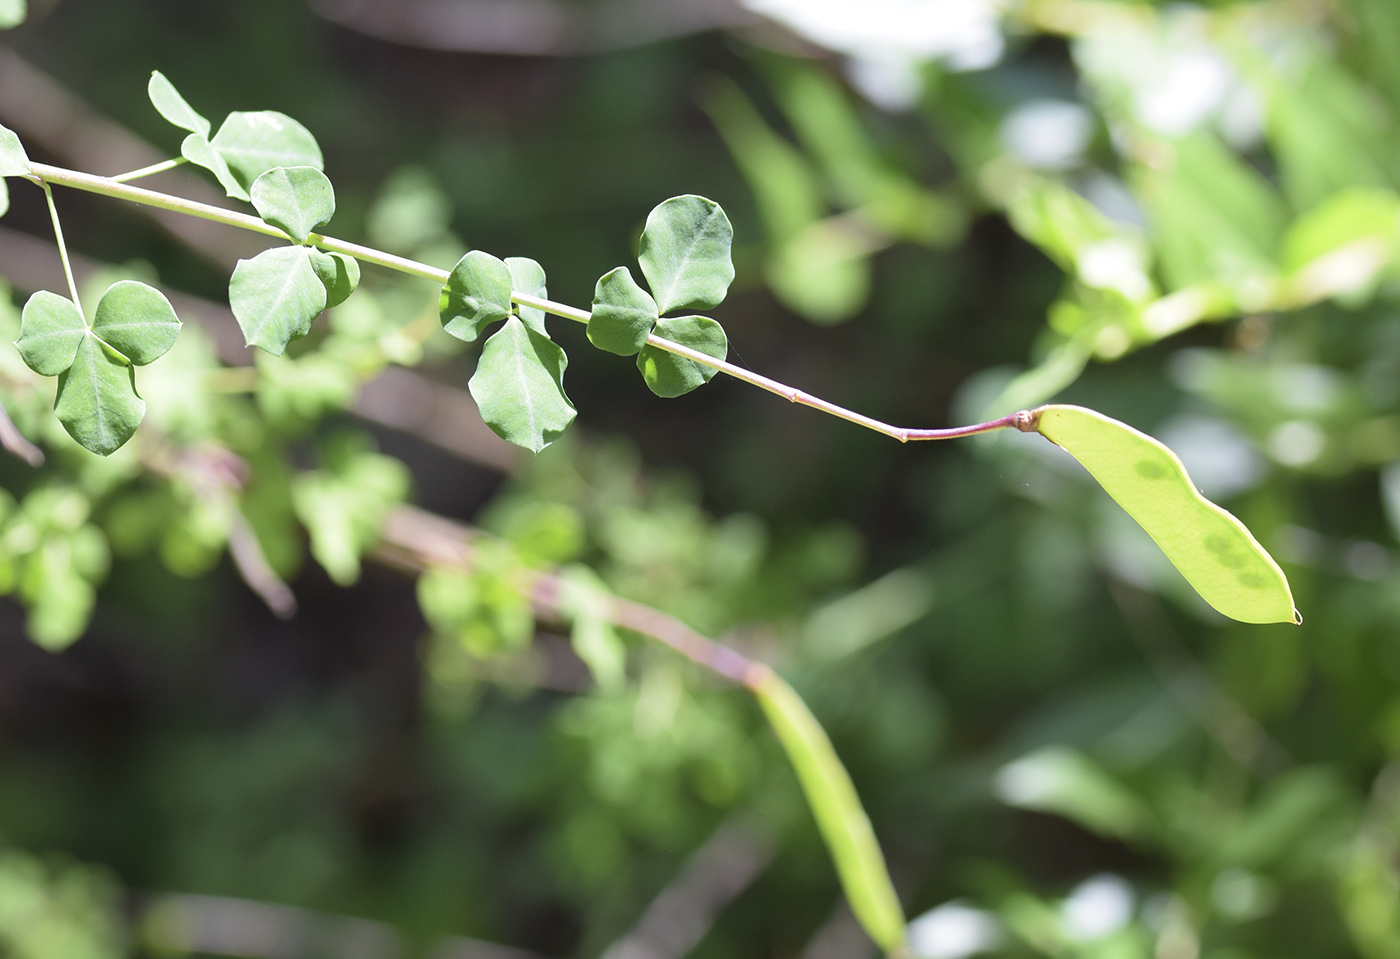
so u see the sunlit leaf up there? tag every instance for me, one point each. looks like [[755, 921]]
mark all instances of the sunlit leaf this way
[[670, 375], [275, 296], [623, 314], [197, 149], [13, 160], [12, 13], [295, 199], [97, 402], [1211, 548], [527, 277], [1067, 783], [519, 386], [136, 320], [51, 329], [477, 294], [842, 820], [253, 143], [340, 274], [169, 104], [685, 254], [586, 600]]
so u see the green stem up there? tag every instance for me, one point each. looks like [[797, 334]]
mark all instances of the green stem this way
[[62, 248], [154, 168], [107, 186]]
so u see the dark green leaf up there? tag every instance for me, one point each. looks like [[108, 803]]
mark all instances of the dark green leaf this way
[[519, 386], [295, 199], [1211, 548], [253, 143], [685, 253], [13, 160], [671, 375], [837, 808], [339, 273], [137, 321], [477, 294], [169, 104], [12, 13], [623, 314], [527, 277], [275, 296], [51, 328], [97, 402], [197, 150]]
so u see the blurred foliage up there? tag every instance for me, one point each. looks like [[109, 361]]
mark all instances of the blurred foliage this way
[[1182, 215]]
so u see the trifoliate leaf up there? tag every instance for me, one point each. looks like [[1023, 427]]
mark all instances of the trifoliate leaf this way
[[477, 294], [136, 320], [97, 401], [339, 273], [685, 254], [169, 104], [275, 297], [519, 386], [295, 199], [670, 375], [527, 276], [13, 160], [1212, 549], [623, 314], [253, 143], [50, 330], [197, 149]]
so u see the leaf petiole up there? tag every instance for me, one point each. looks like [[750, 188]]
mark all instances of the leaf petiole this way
[[62, 247], [151, 170]]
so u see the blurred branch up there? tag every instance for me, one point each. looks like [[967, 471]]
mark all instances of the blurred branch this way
[[413, 539], [677, 919], [13, 440], [531, 27]]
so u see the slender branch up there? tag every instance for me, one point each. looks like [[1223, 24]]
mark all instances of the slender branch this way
[[151, 170], [62, 248], [107, 186]]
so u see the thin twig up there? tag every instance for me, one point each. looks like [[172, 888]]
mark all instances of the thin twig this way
[[413, 539], [106, 186]]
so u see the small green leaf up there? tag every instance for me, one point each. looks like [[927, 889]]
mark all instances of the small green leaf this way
[[4, 197], [838, 811], [685, 254], [197, 150], [295, 199], [1211, 548], [340, 274], [623, 314], [584, 597], [97, 402], [137, 321], [50, 331], [527, 276], [671, 375], [169, 104], [253, 143], [477, 294], [13, 160], [12, 13], [519, 386], [275, 296]]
